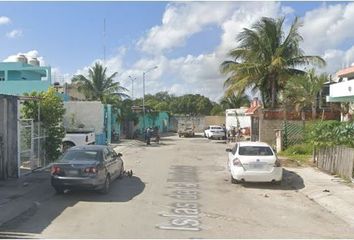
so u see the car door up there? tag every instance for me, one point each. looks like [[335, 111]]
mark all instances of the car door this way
[[109, 162], [117, 162], [120, 163]]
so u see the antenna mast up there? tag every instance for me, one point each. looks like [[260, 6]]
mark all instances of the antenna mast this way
[[104, 41]]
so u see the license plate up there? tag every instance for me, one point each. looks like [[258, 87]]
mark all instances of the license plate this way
[[257, 165], [73, 172]]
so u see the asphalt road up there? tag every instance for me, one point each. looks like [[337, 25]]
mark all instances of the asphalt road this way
[[181, 189]]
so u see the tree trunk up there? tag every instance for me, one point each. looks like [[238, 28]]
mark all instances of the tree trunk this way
[[314, 108], [273, 91]]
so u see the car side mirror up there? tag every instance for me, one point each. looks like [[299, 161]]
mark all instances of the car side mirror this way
[[274, 150], [228, 150], [120, 155]]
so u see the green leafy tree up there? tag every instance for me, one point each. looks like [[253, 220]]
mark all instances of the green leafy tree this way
[[234, 100], [217, 110], [191, 104], [51, 116], [303, 90], [265, 59], [99, 86]]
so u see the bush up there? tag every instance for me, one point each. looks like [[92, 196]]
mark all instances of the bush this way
[[51, 115], [299, 149], [330, 133]]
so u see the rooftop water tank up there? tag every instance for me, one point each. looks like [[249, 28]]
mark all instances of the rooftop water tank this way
[[21, 58], [34, 62]]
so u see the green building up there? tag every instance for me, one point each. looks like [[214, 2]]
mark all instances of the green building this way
[[23, 76]]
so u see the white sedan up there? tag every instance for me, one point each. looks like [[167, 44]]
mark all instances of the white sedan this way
[[214, 132], [254, 162]]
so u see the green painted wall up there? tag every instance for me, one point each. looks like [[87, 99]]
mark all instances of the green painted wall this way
[[17, 78], [159, 119], [21, 87]]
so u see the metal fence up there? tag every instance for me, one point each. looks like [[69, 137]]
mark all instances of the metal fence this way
[[292, 133], [336, 160], [31, 145]]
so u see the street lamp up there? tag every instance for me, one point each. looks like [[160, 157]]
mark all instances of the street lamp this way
[[132, 78], [149, 70]]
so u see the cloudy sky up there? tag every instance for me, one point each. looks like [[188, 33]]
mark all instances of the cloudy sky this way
[[186, 40]]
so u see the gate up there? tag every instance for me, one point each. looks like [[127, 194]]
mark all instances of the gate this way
[[31, 146], [292, 133]]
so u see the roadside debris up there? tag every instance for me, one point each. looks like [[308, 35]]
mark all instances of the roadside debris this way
[[326, 190]]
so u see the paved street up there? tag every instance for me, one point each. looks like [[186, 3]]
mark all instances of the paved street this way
[[181, 189]]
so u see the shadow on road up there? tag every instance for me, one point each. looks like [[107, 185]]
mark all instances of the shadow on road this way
[[291, 181], [43, 213]]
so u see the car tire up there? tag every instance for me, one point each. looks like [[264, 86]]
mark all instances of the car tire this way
[[59, 190], [106, 185], [277, 183], [234, 181]]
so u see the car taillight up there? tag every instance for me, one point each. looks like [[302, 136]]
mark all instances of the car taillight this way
[[90, 170], [277, 163], [55, 170], [237, 162]]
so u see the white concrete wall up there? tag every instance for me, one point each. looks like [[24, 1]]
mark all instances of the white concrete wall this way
[[91, 114], [342, 89]]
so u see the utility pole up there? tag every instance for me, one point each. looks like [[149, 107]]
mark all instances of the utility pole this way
[[133, 79]]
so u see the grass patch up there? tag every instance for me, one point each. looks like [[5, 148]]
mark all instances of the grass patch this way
[[298, 155]]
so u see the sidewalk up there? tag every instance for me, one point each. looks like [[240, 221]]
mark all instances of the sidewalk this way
[[19, 196], [331, 192]]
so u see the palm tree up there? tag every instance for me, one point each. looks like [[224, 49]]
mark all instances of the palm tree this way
[[303, 91], [97, 86], [234, 101], [265, 59]]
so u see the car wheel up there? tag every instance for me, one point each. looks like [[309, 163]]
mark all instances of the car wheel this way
[[234, 181], [277, 182], [106, 185], [59, 190]]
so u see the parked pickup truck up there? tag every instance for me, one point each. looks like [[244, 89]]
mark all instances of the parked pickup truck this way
[[78, 137], [186, 132]]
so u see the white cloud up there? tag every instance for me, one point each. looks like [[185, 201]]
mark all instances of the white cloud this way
[[244, 17], [182, 20], [325, 31], [327, 27], [4, 20], [14, 33]]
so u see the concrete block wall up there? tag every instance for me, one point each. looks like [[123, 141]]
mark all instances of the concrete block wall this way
[[89, 113], [214, 120], [8, 133], [267, 129]]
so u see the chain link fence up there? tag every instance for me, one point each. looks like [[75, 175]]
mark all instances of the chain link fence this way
[[31, 145]]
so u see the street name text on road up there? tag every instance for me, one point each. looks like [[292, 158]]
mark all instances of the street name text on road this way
[[185, 213]]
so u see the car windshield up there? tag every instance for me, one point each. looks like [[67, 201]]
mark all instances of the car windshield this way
[[77, 155], [255, 151], [216, 128]]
